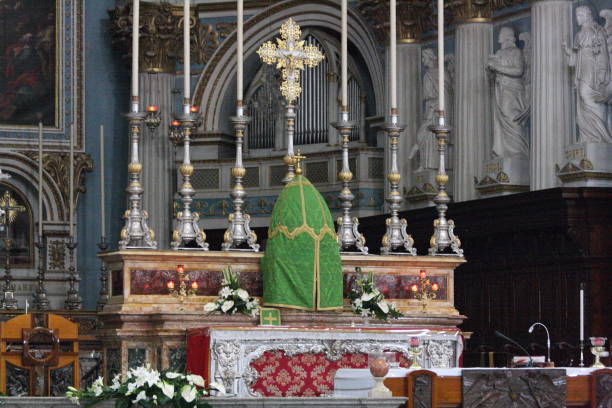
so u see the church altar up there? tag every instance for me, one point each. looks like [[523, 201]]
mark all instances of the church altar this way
[[299, 361], [143, 322]]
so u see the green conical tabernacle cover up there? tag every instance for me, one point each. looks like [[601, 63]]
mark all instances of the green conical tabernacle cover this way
[[301, 267]]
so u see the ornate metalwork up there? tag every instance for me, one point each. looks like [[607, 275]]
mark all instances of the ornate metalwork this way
[[395, 238], [187, 234], [290, 55], [161, 35], [103, 296], [152, 119], [239, 231], [9, 209], [136, 234], [41, 302], [73, 300], [443, 236], [348, 228]]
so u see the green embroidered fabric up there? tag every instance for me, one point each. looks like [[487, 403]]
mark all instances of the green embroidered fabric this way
[[301, 266]]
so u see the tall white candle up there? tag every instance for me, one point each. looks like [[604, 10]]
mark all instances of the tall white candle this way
[[186, 51], [240, 50], [581, 312], [135, 50], [441, 55], [102, 195], [40, 179], [71, 182], [344, 52], [393, 52]]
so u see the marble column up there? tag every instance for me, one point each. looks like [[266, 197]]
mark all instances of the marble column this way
[[409, 105], [473, 112], [552, 124], [158, 156]]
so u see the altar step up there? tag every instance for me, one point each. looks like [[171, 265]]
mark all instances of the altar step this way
[[287, 402]]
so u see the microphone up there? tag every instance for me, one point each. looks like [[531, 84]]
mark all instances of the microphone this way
[[498, 334], [547, 337]]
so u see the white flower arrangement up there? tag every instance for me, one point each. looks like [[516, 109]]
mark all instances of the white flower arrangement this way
[[367, 301], [232, 298], [148, 388]]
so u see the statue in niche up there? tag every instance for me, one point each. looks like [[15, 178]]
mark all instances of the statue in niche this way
[[426, 144], [525, 37], [507, 67], [591, 62], [606, 14]]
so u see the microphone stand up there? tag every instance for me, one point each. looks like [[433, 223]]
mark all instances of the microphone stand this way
[[547, 338], [498, 334]]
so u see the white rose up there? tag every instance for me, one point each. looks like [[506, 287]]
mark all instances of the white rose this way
[[242, 294], [367, 296], [188, 392], [384, 307], [196, 379], [227, 305], [210, 307]]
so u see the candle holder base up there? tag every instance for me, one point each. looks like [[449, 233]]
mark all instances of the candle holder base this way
[[73, 300], [103, 296], [415, 352]]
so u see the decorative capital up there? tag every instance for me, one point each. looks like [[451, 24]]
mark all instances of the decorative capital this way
[[161, 35], [414, 18]]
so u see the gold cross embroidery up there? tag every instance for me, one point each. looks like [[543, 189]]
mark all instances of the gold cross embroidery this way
[[269, 317]]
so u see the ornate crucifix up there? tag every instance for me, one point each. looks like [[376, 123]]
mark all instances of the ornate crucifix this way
[[290, 55], [8, 213]]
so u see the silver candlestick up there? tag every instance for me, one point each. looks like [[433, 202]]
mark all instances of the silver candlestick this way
[[443, 236], [8, 289], [41, 302], [239, 231], [73, 300], [103, 296], [136, 234], [290, 129], [187, 234], [348, 228], [396, 238]]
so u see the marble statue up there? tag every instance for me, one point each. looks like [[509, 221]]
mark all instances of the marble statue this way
[[426, 143], [606, 14], [507, 67], [591, 62], [525, 37]]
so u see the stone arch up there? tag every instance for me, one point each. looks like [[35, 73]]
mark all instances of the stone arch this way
[[216, 78]]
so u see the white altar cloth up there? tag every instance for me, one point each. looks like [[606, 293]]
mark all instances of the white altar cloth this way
[[356, 382]]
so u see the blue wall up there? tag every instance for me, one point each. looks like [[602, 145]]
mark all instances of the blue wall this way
[[106, 99]]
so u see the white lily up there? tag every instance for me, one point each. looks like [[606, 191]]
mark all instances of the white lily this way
[[225, 292], [189, 393], [141, 395], [172, 376], [384, 307], [167, 389], [367, 296], [196, 379]]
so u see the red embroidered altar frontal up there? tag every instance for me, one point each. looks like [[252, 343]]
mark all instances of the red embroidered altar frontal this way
[[302, 362]]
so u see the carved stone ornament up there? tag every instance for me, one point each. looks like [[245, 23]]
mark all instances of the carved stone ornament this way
[[233, 351], [414, 18], [161, 36], [56, 165]]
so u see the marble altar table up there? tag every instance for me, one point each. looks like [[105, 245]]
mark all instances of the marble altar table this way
[[300, 361]]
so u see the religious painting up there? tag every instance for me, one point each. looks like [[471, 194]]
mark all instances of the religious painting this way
[[28, 62], [17, 228]]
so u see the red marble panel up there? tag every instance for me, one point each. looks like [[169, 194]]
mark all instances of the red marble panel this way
[[396, 286], [151, 282]]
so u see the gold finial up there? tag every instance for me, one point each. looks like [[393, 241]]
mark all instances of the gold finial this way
[[297, 161]]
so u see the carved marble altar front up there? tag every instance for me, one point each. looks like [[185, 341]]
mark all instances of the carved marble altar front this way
[[233, 350]]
